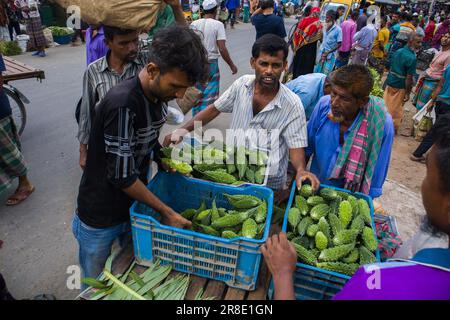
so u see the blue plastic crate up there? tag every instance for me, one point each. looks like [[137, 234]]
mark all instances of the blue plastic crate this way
[[312, 283], [234, 261]]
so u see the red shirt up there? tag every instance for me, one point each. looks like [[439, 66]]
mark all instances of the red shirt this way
[[429, 31]]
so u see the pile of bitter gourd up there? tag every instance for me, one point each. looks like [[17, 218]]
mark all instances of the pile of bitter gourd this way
[[234, 166], [331, 230], [247, 218]]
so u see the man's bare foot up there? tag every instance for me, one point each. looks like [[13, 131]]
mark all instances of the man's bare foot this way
[[20, 195]]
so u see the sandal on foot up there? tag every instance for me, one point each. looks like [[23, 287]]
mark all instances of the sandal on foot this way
[[19, 196], [417, 159]]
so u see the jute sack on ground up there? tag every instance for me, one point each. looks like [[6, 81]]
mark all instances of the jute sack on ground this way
[[126, 14]]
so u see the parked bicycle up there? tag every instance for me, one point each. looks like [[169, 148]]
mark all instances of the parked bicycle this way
[[16, 70]]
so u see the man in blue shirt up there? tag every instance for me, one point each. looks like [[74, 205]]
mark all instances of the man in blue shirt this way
[[232, 6], [310, 88], [331, 42], [337, 118], [265, 21]]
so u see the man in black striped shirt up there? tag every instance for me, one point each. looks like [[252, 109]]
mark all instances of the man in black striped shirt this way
[[124, 132]]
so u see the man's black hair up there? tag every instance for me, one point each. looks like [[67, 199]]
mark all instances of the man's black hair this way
[[403, 15], [355, 14], [110, 32], [180, 47], [355, 78], [341, 8], [271, 44], [266, 4], [432, 18], [332, 14], [441, 139]]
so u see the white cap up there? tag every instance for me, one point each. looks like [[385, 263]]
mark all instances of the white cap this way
[[209, 4], [415, 14]]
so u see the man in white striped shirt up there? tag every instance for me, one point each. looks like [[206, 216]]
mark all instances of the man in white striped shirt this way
[[260, 102]]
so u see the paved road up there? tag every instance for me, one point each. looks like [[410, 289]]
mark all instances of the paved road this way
[[38, 242]]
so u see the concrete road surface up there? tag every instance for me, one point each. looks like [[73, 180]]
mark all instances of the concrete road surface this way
[[38, 242]]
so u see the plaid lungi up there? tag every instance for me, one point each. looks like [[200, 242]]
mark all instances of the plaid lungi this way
[[34, 30], [210, 90], [12, 163]]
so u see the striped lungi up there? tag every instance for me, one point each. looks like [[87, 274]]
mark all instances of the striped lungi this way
[[34, 30], [210, 90], [393, 97], [424, 91], [12, 163]]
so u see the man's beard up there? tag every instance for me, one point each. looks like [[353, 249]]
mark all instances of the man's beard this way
[[336, 119]]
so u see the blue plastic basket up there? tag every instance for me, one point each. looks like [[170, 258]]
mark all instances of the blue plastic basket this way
[[234, 261], [312, 283]]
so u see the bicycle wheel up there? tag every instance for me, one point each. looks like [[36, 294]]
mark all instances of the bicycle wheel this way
[[19, 113]]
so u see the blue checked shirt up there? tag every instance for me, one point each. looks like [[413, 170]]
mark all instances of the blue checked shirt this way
[[283, 119]]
